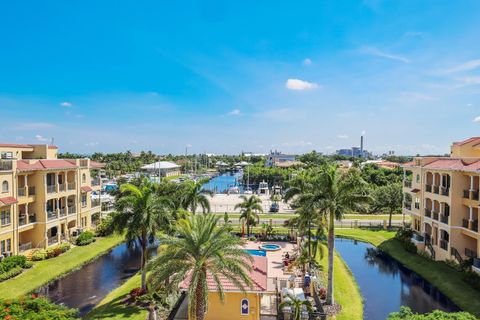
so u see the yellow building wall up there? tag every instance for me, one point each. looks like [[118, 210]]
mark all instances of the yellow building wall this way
[[231, 307]]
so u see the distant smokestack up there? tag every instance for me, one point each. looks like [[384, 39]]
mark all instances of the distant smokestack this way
[[361, 146]]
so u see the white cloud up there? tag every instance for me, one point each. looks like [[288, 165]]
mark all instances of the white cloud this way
[[235, 112], [307, 61], [66, 104], [363, 132], [470, 80], [477, 119], [297, 84], [469, 104], [467, 66], [372, 51], [40, 138], [342, 136]]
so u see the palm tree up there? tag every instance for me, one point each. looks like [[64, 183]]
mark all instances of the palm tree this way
[[333, 193], [249, 208], [194, 196], [143, 213], [201, 250], [297, 305]]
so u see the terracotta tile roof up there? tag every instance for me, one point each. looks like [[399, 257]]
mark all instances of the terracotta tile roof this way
[[25, 165], [258, 274], [15, 145], [86, 189], [8, 200], [408, 164], [454, 164], [415, 190], [472, 139], [96, 165]]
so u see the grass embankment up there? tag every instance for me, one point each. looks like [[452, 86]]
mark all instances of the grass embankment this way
[[48, 270], [112, 306], [380, 217], [346, 291], [446, 279]]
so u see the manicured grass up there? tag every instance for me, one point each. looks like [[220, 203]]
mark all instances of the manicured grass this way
[[112, 306], [48, 270], [445, 278], [346, 291], [374, 217]]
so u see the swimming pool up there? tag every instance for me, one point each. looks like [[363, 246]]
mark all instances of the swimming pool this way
[[260, 253], [271, 247]]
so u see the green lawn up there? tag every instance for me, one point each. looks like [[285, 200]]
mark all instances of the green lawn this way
[[346, 291], [446, 279], [397, 217], [48, 270], [112, 307]]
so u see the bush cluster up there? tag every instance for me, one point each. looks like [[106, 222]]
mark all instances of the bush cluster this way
[[34, 308], [407, 314], [49, 253], [12, 266], [404, 236], [85, 238], [105, 227]]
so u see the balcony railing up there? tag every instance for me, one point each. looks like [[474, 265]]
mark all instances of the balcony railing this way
[[470, 253], [428, 188], [436, 189], [475, 195], [407, 205], [51, 189], [435, 215], [72, 210], [428, 238], [417, 205], [444, 219], [62, 187], [32, 218], [95, 203], [71, 185], [466, 194], [445, 191], [407, 183], [51, 215], [31, 191], [22, 220], [63, 212], [6, 165], [475, 225], [428, 213], [476, 263], [444, 244], [52, 240], [95, 182], [465, 223], [22, 192], [25, 246], [83, 162], [417, 237]]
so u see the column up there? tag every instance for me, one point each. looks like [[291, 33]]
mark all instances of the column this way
[[27, 218], [471, 183]]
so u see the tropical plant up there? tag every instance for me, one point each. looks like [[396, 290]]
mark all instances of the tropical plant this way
[[333, 193], [249, 209], [33, 308], [297, 306], [143, 213], [389, 199], [407, 314], [202, 250], [195, 196]]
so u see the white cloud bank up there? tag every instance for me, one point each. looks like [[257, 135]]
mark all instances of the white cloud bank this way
[[467, 66], [297, 84], [40, 138], [477, 119], [66, 104], [235, 112]]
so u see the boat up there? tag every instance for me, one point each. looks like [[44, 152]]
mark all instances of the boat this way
[[263, 188], [233, 190], [248, 191]]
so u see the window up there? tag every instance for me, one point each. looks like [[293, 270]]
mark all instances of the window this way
[[418, 178], [244, 307], [7, 155], [84, 200], [84, 178], [5, 186], [5, 218]]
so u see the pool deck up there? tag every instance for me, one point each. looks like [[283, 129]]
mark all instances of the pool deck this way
[[274, 258]]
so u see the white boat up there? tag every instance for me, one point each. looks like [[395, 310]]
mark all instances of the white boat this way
[[233, 190], [248, 191], [263, 188]]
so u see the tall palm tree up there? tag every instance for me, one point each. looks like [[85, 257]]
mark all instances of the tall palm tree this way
[[142, 213], [202, 250], [249, 209], [297, 305], [334, 193], [195, 196]]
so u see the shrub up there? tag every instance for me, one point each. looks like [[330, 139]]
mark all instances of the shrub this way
[[85, 238], [105, 227], [10, 273], [404, 234], [10, 263], [410, 246], [33, 308], [39, 255], [407, 314], [64, 247], [322, 293]]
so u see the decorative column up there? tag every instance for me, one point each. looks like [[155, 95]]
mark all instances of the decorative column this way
[[471, 183]]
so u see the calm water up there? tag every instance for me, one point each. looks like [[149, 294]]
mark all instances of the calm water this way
[[221, 183], [86, 287], [386, 285]]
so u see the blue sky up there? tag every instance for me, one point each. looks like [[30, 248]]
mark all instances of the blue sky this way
[[227, 76]]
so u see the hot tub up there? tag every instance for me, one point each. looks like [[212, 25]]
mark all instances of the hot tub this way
[[271, 247]]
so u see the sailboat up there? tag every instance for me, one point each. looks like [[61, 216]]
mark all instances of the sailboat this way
[[248, 190]]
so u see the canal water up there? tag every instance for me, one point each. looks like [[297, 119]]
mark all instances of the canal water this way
[[386, 285], [87, 286], [221, 183]]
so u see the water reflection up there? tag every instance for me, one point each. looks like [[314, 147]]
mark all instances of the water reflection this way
[[86, 287], [386, 284]]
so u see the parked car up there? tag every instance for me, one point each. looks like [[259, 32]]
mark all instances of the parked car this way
[[274, 207]]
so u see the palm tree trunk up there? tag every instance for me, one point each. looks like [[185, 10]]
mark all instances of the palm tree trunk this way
[[309, 241], [199, 304], [390, 220], [144, 262], [331, 243]]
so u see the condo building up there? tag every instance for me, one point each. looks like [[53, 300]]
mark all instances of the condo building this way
[[43, 200], [442, 196]]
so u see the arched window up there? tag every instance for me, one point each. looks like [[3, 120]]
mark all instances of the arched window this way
[[244, 307], [84, 178], [5, 186]]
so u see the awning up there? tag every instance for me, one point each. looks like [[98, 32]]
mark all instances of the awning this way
[[86, 189], [415, 190], [7, 201]]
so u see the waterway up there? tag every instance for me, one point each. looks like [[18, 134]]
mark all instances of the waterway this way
[[386, 285], [221, 183]]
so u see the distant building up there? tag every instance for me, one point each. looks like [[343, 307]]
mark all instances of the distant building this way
[[166, 168], [276, 158], [355, 152], [384, 164]]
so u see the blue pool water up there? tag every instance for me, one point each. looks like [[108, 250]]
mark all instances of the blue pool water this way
[[221, 183], [271, 247], [260, 253]]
